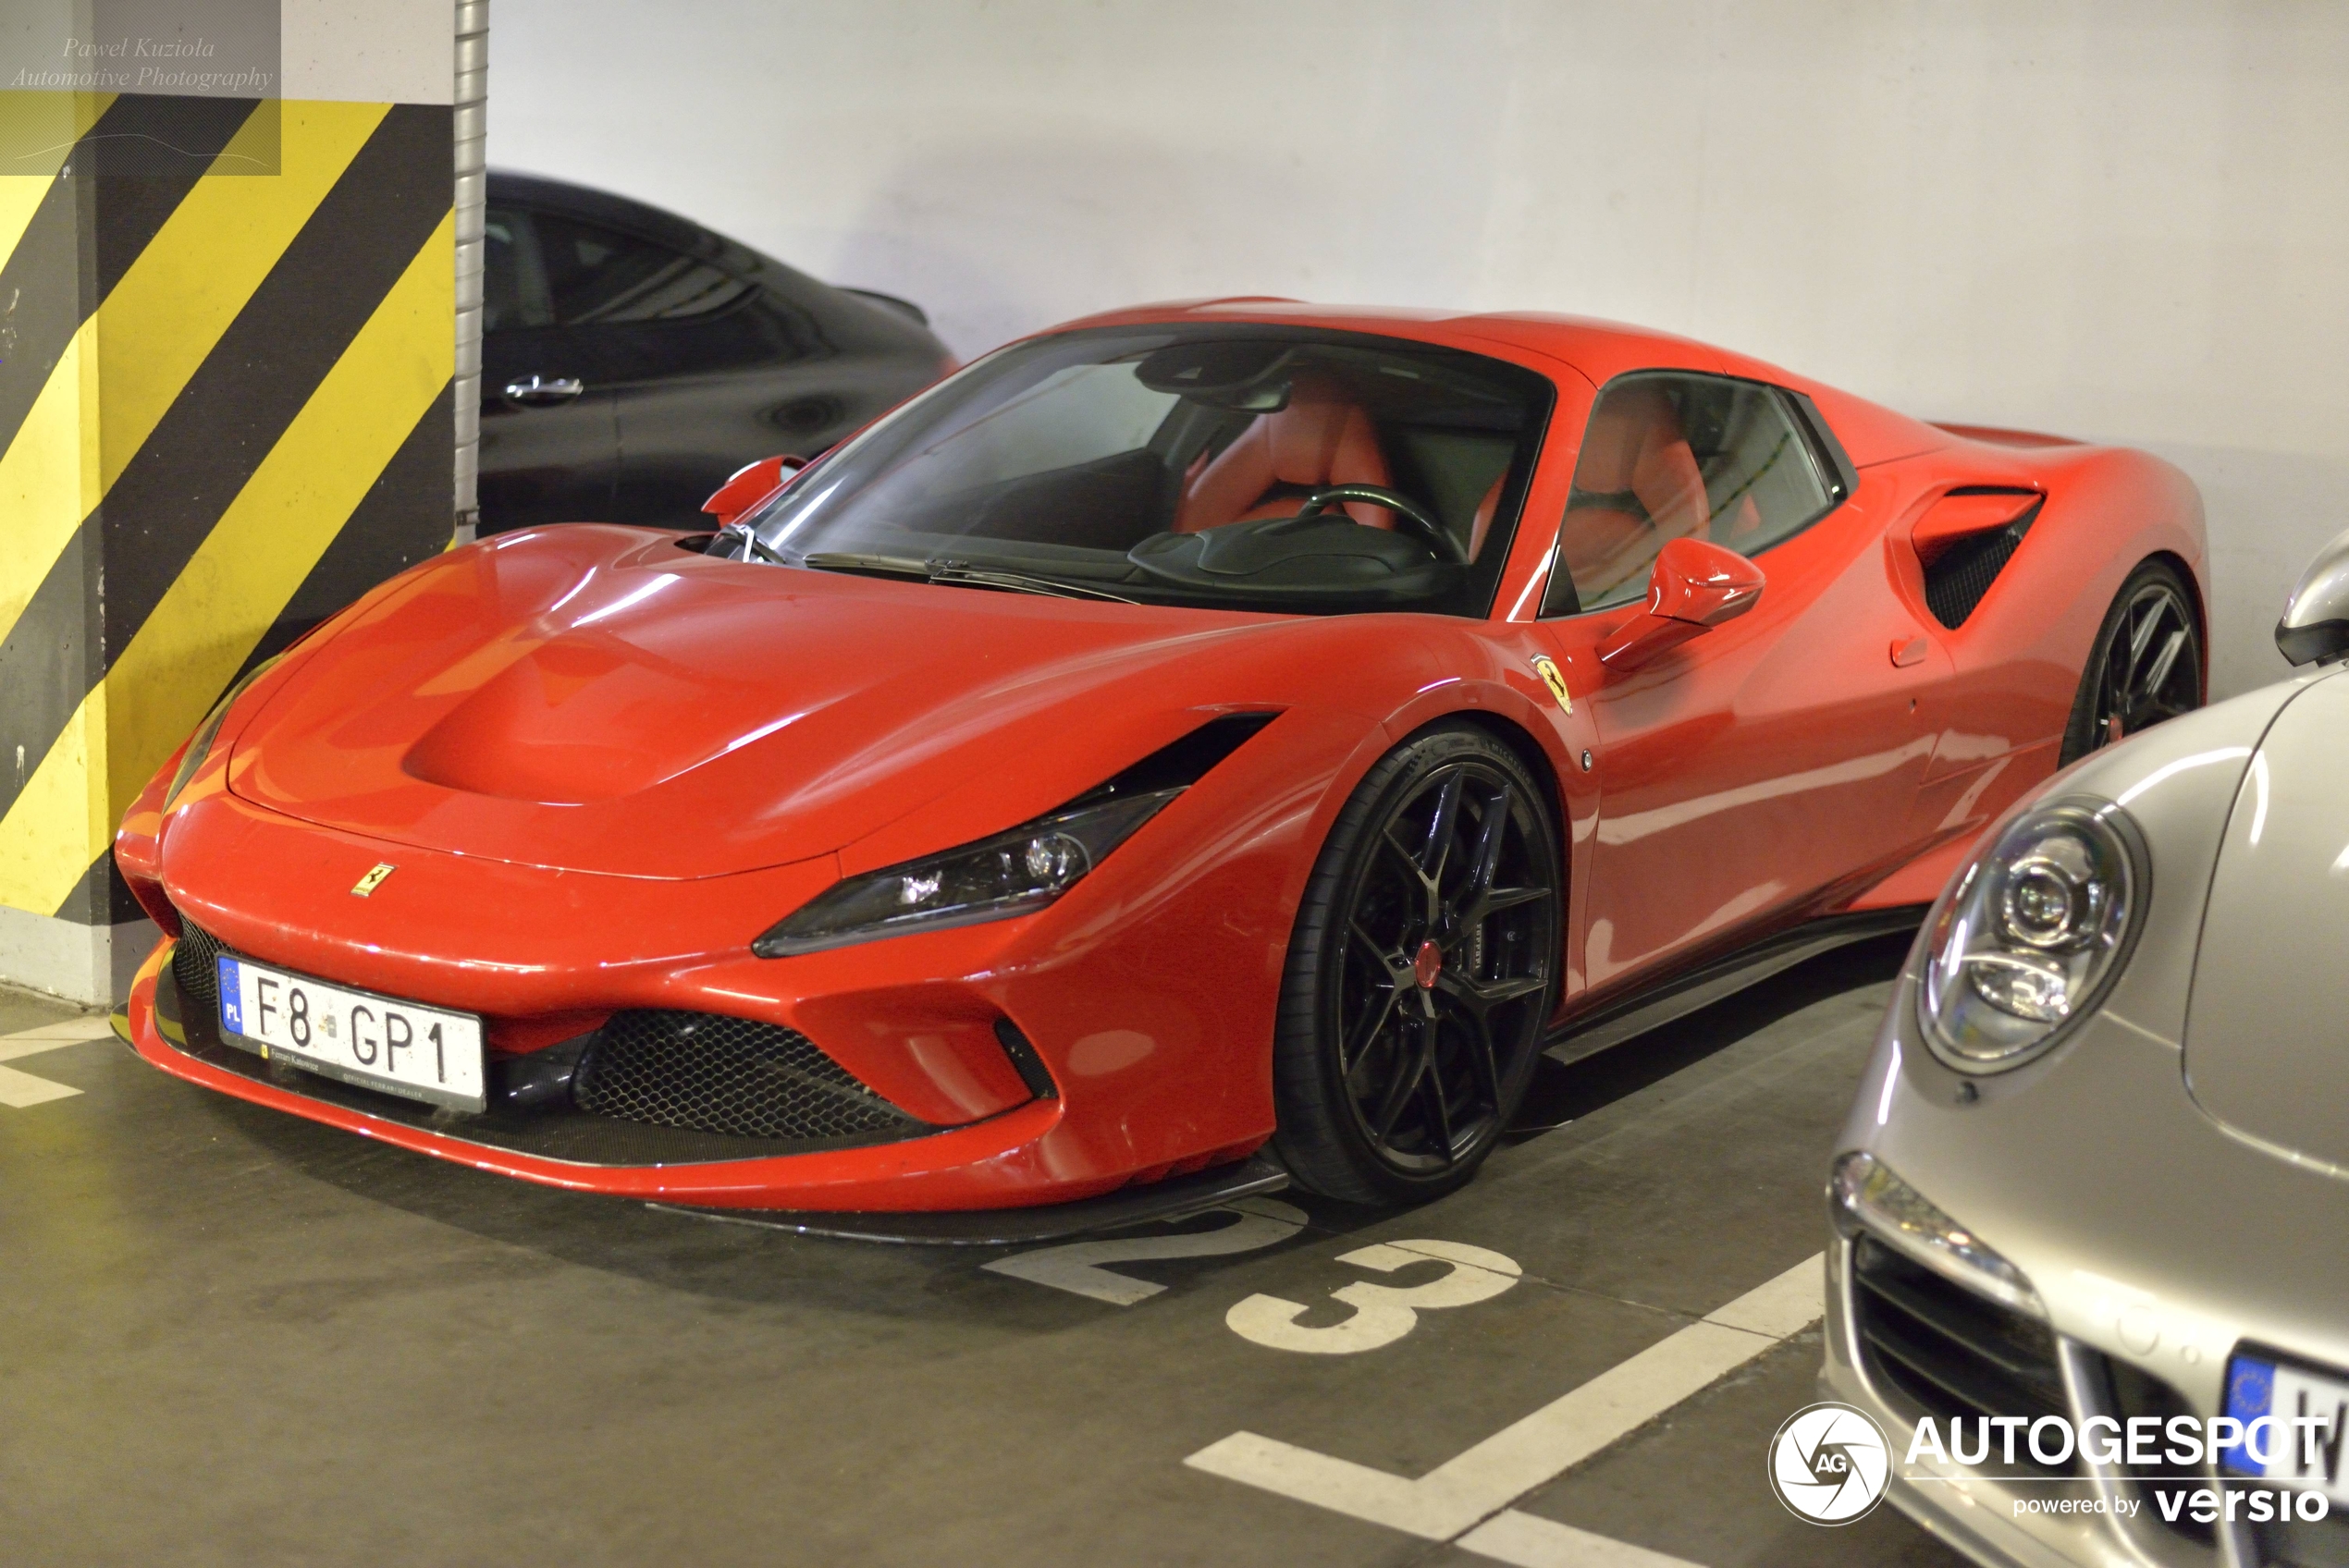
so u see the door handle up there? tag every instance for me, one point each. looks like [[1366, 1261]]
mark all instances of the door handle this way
[[544, 389]]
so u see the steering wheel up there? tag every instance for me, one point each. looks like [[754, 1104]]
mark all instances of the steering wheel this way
[[1432, 532]]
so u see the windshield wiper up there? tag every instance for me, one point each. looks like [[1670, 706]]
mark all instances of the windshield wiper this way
[[939, 570], [871, 566], [1017, 582]]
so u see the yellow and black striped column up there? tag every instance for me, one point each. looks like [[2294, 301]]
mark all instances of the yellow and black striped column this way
[[225, 411]]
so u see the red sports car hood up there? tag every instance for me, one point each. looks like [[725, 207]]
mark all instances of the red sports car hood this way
[[597, 699]]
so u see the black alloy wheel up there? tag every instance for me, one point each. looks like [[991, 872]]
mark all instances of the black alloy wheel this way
[[1420, 973], [2147, 665]]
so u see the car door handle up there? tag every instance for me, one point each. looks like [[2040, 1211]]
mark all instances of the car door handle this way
[[542, 389]]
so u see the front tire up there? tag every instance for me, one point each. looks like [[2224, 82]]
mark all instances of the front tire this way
[[1420, 973], [2146, 664]]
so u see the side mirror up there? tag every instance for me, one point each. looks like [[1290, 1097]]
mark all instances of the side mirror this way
[[1693, 587], [751, 483], [2316, 618]]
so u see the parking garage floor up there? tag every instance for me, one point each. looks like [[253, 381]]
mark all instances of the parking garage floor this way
[[230, 1337]]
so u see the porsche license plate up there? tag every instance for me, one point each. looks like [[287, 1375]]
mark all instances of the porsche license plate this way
[[2295, 1450], [377, 1042]]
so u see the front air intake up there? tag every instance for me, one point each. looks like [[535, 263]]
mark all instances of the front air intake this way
[[1942, 1351], [715, 1073], [195, 965], [2130, 1393]]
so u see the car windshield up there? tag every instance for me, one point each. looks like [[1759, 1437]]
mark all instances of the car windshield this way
[[1235, 467]]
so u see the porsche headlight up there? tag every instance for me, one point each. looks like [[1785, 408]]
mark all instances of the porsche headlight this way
[[1010, 874], [200, 743], [2033, 935]]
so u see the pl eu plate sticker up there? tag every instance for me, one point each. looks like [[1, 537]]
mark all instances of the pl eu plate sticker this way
[[232, 1007], [2251, 1393], [2294, 1423]]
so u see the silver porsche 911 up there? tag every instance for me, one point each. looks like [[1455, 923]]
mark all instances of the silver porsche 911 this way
[[2091, 1260]]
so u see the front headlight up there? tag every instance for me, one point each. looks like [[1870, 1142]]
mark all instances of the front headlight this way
[[200, 743], [1011, 873], [2033, 935]]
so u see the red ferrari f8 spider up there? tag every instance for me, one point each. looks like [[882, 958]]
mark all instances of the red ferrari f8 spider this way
[[1198, 727]]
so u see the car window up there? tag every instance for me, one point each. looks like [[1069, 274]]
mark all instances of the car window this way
[[1668, 455], [1278, 468], [598, 274], [514, 292]]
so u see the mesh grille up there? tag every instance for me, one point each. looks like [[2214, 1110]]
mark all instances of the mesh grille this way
[[718, 1074], [1957, 578], [1949, 1353], [193, 965]]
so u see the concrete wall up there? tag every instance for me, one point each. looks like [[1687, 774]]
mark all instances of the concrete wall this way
[[2123, 221]]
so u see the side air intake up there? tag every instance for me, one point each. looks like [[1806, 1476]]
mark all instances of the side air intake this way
[[1965, 541]]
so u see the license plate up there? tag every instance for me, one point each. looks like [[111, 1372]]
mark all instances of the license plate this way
[[377, 1042], [2306, 1456]]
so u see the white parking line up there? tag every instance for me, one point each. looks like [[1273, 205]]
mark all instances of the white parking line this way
[[1532, 1542], [20, 1090], [1476, 1484]]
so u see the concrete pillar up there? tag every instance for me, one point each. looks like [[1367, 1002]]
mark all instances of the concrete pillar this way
[[227, 315]]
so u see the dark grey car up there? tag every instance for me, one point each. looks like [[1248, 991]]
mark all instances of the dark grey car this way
[[631, 360]]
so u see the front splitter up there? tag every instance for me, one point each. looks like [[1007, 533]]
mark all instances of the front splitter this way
[[1175, 1198]]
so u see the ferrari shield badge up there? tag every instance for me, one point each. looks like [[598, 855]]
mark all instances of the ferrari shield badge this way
[[1555, 679], [373, 880]]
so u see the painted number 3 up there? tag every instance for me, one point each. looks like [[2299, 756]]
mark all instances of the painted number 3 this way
[[1383, 1314]]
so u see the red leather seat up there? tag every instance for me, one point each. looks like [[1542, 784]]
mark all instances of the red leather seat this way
[[1319, 439], [1637, 486]]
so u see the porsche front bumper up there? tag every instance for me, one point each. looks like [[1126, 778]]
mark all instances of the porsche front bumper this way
[[2157, 1242]]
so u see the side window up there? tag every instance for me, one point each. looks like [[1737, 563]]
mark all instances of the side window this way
[[514, 292], [597, 275], [1668, 456]]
